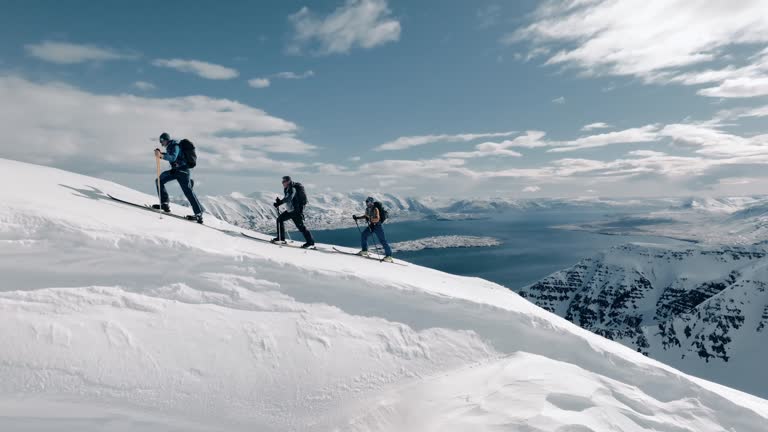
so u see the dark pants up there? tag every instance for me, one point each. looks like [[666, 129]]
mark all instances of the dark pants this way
[[298, 220], [186, 183], [379, 231]]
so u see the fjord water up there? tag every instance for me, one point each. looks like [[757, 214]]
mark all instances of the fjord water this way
[[531, 248]]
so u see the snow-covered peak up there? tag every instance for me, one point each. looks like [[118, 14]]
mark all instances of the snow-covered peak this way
[[703, 309], [117, 318]]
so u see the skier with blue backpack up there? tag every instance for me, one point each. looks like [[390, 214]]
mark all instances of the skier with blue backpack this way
[[375, 215], [182, 157]]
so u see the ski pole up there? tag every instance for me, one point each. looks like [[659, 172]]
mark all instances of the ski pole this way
[[159, 199], [277, 221]]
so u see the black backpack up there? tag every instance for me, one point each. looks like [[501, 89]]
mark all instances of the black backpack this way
[[299, 196], [383, 214], [190, 155]]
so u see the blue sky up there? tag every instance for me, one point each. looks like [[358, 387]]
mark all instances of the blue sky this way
[[452, 98]]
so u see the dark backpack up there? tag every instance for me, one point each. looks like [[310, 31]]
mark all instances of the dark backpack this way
[[300, 196], [190, 155], [383, 214]]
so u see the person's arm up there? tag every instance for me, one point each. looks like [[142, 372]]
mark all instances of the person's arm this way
[[172, 153], [288, 197]]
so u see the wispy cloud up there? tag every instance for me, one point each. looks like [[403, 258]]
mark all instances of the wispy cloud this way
[[358, 23], [531, 139], [294, 75], [144, 85], [267, 81], [643, 134], [622, 37], [593, 126], [71, 53], [259, 82], [419, 140], [200, 68], [531, 189], [559, 101]]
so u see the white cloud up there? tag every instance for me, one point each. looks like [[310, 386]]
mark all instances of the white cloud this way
[[646, 133], [593, 126], [200, 68], [655, 41], [559, 101], [398, 169], [144, 85], [531, 189], [259, 82], [714, 142], [70, 53], [82, 130], [267, 81], [358, 23], [741, 87], [419, 140], [294, 75], [531, 139]]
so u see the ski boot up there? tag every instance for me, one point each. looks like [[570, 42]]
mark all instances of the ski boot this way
[[308, 245], [388, 259], [277, 240], [197, 218], [164, 207], [363, 253]]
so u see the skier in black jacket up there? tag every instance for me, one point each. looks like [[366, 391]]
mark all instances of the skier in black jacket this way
[[294, 200]]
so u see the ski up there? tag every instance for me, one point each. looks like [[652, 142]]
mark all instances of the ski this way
[[149, 208], [368, 257], [312, 248]]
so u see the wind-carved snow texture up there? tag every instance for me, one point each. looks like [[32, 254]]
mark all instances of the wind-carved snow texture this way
[[115, 318], [699, 308], [445, 242]]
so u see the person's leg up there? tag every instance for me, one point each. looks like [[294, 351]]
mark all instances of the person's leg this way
[[382, 239], [281, 225], [185, 181], [364, 238], [165, 177], [298, 220]]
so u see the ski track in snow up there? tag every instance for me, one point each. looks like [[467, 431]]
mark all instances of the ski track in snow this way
[[118, 319]]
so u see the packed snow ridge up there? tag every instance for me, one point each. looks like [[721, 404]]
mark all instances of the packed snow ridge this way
[[445, 242], [117, 318]]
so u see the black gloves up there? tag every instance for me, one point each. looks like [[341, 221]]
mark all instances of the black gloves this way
[[355, 217], [277, 202]]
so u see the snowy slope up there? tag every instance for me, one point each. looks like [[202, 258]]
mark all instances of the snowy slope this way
[[702, 309], [113, 318]]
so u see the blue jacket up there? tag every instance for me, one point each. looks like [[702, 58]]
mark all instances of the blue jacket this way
[[175, 156]]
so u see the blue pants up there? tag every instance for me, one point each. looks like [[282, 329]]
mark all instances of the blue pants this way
[[379, 231], [186, 183]]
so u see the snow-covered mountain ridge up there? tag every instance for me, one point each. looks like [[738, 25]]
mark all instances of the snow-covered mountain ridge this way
[[115, 318], [703, 309], [335, 210]]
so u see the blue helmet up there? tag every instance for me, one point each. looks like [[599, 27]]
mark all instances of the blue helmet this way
[[164, 137], [369, 200]]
